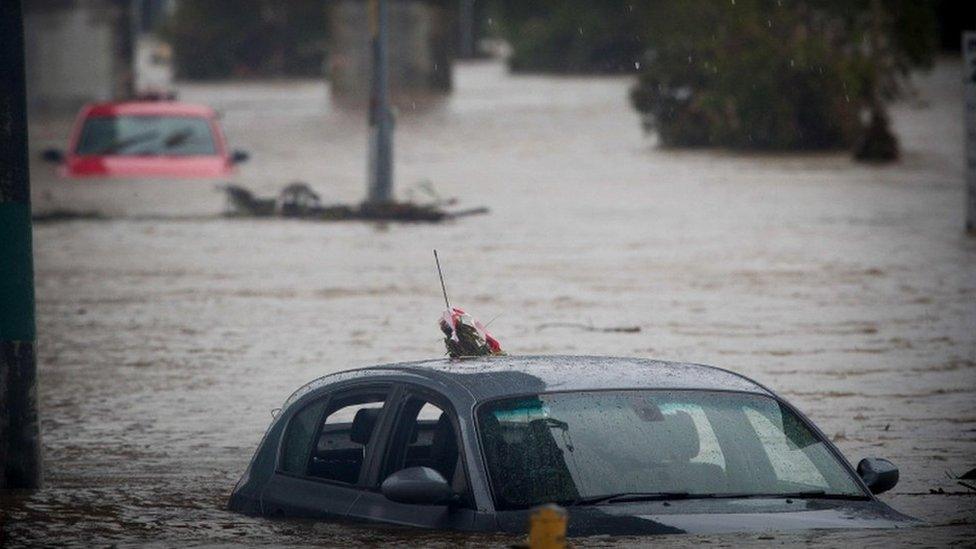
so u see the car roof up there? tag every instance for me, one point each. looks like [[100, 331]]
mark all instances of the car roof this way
[[148, 108], [487, 378]]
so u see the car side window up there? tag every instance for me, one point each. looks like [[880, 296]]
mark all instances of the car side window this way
[[297, 445], [425, 436], [340, 437]]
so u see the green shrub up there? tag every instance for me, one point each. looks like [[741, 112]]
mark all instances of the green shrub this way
[[570, 36], [769, 74]]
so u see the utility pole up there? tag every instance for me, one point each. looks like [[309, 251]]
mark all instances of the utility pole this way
[[132, 37], [466, 24], [20, 441], [380, 116], [969, 120]]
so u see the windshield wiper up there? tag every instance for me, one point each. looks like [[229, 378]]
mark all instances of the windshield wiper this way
[[623, 497], [127, 142], [818, 494], [177, 138], [631, 496], [806, 494]]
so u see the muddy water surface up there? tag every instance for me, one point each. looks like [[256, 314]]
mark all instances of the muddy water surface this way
[[167, 334]]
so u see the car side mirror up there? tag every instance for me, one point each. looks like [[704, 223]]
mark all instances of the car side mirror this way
[[55, 156], [417, 486], [879, 474], [239, 156]]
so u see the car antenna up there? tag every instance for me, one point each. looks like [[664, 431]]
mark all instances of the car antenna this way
[[441, 275], [463, 335]]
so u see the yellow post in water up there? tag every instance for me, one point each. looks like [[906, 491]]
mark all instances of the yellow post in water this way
[[547, 527]]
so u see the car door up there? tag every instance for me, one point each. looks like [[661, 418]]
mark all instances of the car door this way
[[423, 431], [325, 454]]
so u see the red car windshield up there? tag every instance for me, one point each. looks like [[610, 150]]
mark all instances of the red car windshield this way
[[146, 136]]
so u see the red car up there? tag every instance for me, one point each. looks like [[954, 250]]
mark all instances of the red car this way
[[146, 139]]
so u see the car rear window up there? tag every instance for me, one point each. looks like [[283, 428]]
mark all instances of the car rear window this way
[[146, 136]]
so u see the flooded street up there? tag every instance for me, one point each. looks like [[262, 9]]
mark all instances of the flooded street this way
[[167, 334]]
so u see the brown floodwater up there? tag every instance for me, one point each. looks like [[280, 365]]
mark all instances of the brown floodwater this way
[[167, 334]]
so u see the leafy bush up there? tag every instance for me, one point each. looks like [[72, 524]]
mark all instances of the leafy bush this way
[[570, 36], [770, 74]]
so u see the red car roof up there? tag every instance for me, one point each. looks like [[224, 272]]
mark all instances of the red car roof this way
[[148, 108]]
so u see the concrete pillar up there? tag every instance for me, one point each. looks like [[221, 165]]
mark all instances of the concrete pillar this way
[[421, 39], [78, 51]]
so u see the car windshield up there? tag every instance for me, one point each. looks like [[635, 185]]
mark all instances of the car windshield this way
[[586, 447], [146, 135]]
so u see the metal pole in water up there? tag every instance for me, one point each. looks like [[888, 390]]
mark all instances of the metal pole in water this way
[[380, 116], [20, 441], [466, 23], [969, 84]]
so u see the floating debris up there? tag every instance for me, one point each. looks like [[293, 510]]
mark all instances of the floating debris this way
[[969, 475], [242, 202], [53, 216], [426, 188], [298, 200]]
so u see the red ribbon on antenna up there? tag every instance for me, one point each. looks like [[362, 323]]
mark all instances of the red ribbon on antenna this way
[[477, 340]]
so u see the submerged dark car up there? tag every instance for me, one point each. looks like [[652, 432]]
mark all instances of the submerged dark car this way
[[628, 446]]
